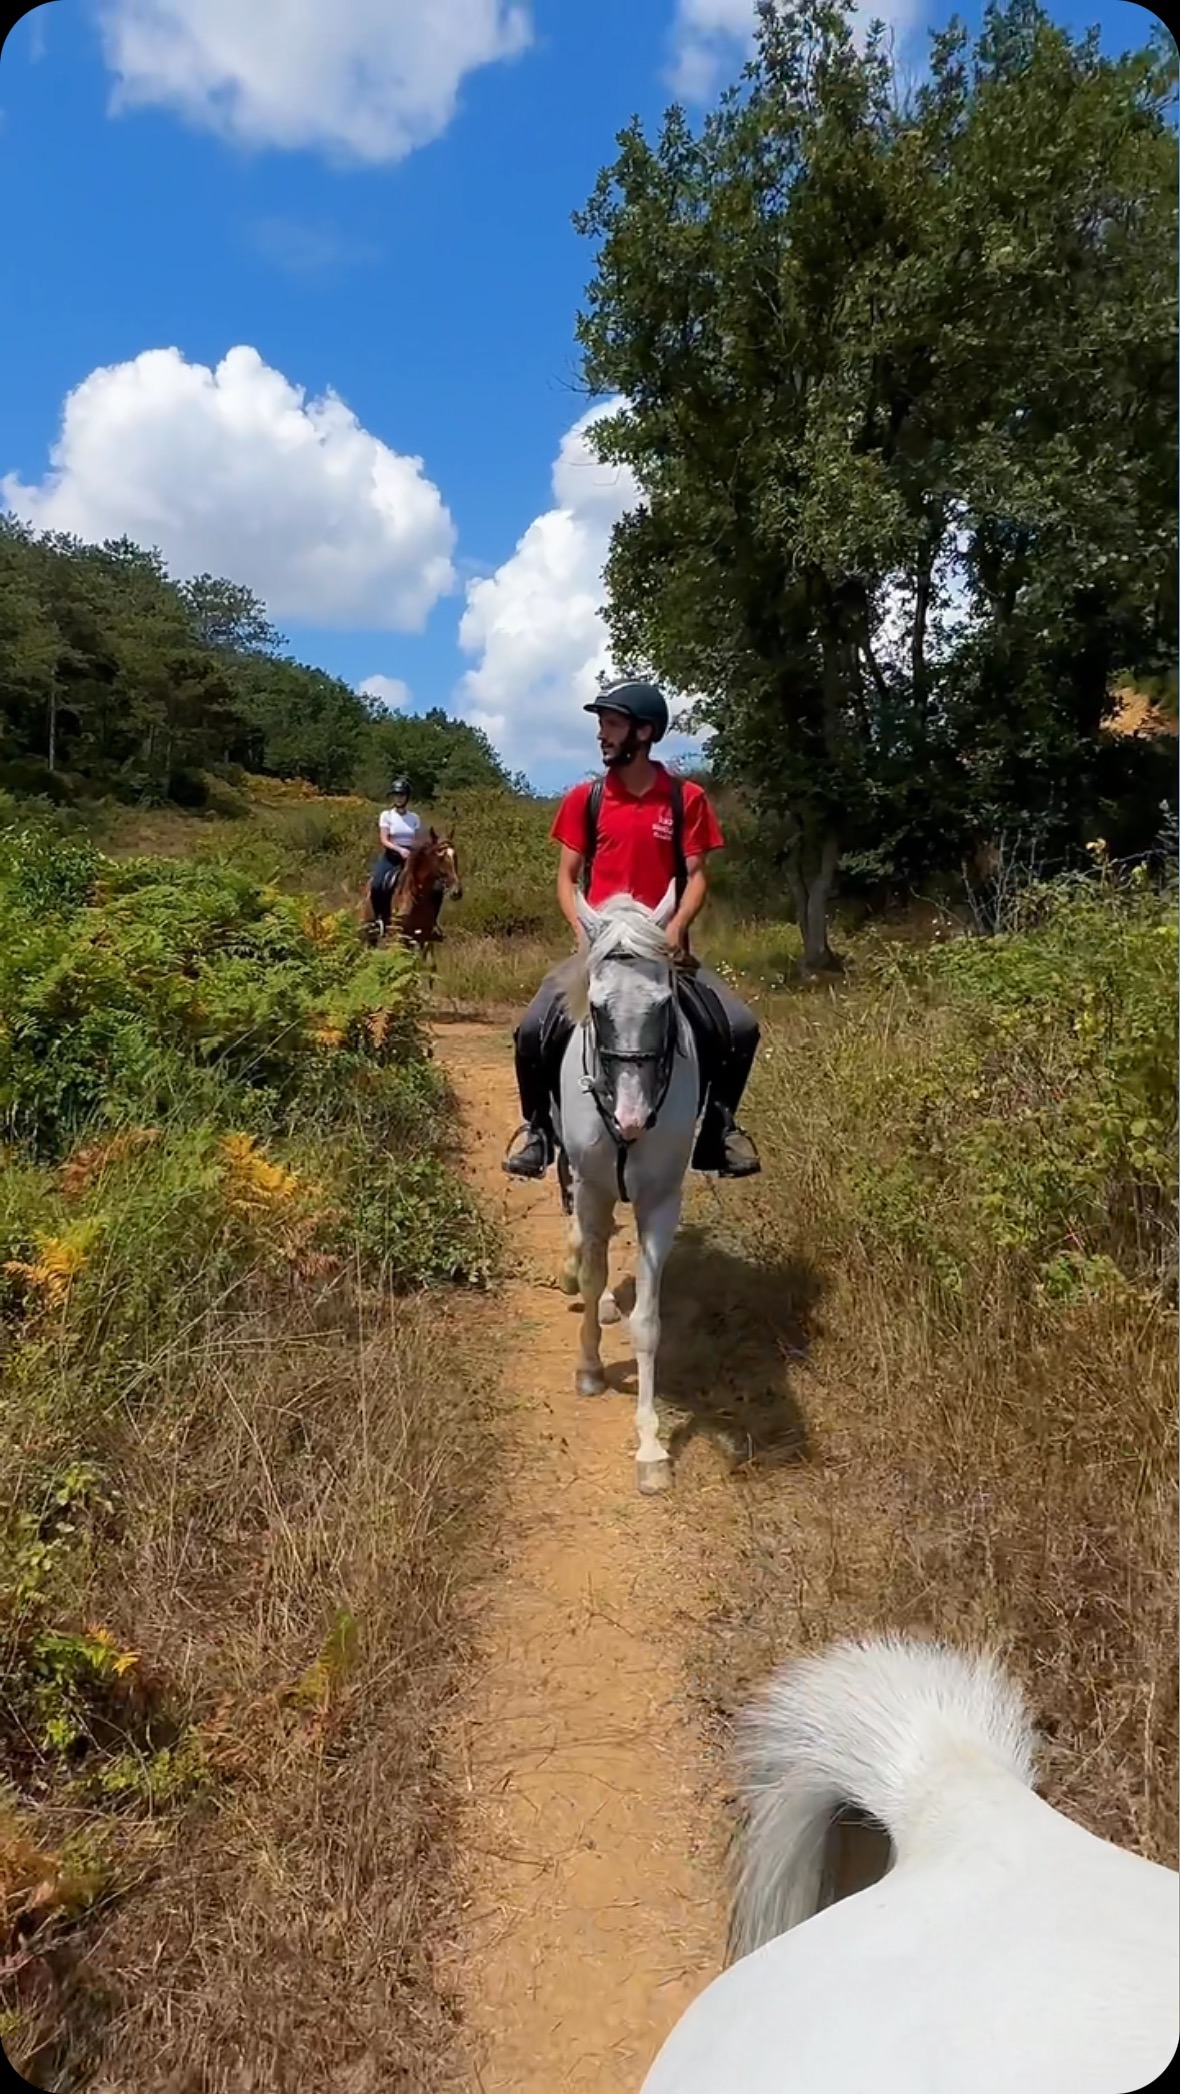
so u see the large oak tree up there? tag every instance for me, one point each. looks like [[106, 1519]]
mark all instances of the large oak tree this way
[[898, 382]]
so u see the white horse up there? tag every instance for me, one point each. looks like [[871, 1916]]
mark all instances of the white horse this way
[[626, 1121], [1005, 1951]]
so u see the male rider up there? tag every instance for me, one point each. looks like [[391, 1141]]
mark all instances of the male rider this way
[[634, 852], [399, 833]]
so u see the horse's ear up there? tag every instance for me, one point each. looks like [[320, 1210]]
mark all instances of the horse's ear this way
[[588, 918], [667, 908], [433, 837]]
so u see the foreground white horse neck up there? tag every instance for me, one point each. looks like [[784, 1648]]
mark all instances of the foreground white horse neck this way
[[1007, 1951], [626, 1119]]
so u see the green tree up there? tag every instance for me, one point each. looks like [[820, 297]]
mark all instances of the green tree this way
[[228, 616], [303, 722], [897, 382], [101, 675], [434, 753], [29, 646]]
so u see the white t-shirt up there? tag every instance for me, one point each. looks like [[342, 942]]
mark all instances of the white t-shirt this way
[[400, 830]]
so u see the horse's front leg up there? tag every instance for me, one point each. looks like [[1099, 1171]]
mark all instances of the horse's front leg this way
[[656, 1230], [589, 1245]]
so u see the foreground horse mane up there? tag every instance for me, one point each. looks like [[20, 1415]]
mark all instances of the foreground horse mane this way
[[628, 931]]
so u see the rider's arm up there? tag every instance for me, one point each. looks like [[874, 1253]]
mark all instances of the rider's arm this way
[[569, 874], [692, 901]]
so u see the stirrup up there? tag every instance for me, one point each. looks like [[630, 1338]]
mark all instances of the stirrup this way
[[709, 1155], [511, 1163], [746, 1167]]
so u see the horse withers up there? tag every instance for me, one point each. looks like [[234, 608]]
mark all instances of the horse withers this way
[[411, 909], [625, 1119], [985, 1942]]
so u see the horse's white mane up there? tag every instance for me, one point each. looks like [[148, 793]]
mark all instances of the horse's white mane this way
[[626, 930]]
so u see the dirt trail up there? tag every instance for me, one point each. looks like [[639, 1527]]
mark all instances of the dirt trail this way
[[593, 1834]]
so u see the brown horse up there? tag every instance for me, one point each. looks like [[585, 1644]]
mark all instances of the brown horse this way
[[431, 870]]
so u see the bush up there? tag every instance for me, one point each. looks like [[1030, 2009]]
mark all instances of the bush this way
[[509, 866], [217, 1111], [969, 1158], [153, 989], [1012, 1100]]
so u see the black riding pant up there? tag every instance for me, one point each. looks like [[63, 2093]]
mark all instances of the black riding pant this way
[[387, 871], [724, 1028]]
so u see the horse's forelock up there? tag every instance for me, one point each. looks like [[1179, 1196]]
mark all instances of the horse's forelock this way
[[628, 931]]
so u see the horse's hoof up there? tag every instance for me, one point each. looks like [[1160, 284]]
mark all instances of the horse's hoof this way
[[590, 1383], [570, 1281], [653, 1476], [609, 1310]]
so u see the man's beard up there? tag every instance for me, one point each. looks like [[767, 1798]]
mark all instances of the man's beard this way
[[625, 752]]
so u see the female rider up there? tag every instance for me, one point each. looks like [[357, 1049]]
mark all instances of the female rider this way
[[399, 833]]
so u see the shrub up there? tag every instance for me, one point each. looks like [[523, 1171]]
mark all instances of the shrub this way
[[205, 1087], [1013, 1099]]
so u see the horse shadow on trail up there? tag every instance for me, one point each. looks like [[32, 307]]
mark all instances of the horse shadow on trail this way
[[731, 1330]]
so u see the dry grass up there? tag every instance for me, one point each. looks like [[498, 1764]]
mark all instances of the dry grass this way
[[1000, 1469], [289, 1482], [477, 976]]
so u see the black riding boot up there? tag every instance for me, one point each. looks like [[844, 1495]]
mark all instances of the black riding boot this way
[[536, 1152], [726, 1053], [539, 1043], [723, 1146]]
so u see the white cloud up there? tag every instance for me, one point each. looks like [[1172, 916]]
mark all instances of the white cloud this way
[[535, 623], [235, 471], [711, 39], [389, 691], [364, 79]]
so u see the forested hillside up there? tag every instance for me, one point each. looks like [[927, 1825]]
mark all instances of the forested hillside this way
[[115, 678]]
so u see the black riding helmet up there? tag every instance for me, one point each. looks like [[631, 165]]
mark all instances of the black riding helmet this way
[[640, 700], [400, 789]]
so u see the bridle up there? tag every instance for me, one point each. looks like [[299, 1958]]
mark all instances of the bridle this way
[[662, 1055]]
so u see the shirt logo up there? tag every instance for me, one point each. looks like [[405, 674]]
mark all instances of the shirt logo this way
[[661, 828]]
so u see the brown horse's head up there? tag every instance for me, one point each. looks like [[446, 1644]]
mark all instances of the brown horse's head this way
[[451, 876], [431, 871], [433, 867]]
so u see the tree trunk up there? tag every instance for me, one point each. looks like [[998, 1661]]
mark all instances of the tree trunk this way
[[811, 881], [53, 725]]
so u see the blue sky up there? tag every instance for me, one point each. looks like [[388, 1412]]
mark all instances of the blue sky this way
[[368, 203]]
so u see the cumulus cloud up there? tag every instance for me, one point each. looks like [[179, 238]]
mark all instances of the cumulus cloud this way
[[711, 39], [535, 623], [388, 691], [235, 471], [365, 79]]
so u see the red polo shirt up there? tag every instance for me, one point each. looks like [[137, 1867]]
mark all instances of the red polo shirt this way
[[634, 853]]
